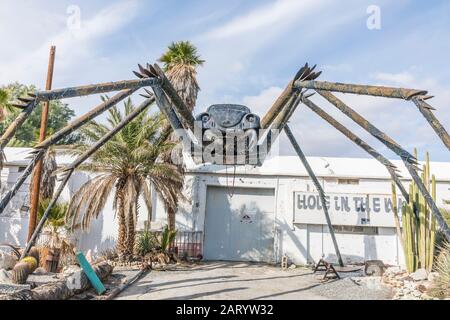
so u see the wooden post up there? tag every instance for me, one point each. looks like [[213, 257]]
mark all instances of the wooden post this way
[[38, 169]]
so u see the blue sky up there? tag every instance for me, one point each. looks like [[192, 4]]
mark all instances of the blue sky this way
[[252, 49]]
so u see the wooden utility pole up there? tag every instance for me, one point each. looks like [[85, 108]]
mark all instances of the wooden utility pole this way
[[37, 174]]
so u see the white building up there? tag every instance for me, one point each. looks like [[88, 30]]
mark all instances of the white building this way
[[259, 214]]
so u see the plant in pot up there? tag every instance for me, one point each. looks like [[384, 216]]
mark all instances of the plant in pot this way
[[55, 237]]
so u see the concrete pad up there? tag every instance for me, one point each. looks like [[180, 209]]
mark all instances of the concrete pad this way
[[230, 281]]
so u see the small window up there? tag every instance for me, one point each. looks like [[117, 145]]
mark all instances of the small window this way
[[348, 181], [356, 230]]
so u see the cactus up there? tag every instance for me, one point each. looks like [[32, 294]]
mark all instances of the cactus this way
[[419, 224], [24, 268]]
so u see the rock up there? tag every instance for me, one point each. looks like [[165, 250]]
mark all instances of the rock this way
[[419, 275], [7, 261], [40, 271], [71, 270], [5, 277], [292, 266], [374, 268]]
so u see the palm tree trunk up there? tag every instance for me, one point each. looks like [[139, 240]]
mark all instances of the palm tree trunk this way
[[122, 235], [171, 218], [131, 231]]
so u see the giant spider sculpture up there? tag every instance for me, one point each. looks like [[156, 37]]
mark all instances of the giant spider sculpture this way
[[223, 128]]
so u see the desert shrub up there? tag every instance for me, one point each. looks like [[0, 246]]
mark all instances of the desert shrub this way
[[442, 266]]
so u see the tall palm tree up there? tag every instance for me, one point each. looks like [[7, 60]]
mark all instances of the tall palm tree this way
[[181, 61], [125, 165]]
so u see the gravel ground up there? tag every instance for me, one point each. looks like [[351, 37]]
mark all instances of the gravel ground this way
[[228, 281]]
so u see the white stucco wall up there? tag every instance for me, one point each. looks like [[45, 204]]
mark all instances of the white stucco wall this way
[[302, 243]]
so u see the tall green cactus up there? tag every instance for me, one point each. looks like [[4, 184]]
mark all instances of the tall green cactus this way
[[419, 224]]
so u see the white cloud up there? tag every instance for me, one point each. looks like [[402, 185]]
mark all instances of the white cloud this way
[[267, 16], [260, 103], [75, 48]]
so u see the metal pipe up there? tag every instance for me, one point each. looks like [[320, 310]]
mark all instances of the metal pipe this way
[[360, 120], [46, 214], [75, 164], [12, 192], [180, 107], [16, 124], [37, 173], [166, 108], [404, 155], [379, 91], [42, 147], [358, 141], [79, 122], [278, 106], [319, 188], [95, 89], [425, 109]]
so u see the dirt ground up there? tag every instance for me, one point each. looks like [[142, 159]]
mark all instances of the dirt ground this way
[[230, 281]]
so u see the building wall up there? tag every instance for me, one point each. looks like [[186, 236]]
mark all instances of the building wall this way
[[302, 243]]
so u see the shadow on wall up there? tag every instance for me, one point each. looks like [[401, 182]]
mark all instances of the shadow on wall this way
[[101, 235]]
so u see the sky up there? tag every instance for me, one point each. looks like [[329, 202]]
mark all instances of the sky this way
[[252, 50]]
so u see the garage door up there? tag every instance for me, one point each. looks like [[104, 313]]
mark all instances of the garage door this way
[[239, 228]]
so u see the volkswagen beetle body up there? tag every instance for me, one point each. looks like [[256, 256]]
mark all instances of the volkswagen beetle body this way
[[230, 134]]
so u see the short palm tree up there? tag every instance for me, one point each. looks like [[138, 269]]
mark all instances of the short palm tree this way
[[181, 61], [125, 165]]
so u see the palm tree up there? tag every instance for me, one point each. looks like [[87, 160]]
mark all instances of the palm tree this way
[[4, 105], [126, 164], [181, 61]]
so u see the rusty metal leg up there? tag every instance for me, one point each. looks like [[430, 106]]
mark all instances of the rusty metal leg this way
[[42, 147], [319, 188], [46, 214], [409, 161], [425, 109], [359, 142], [12, 192], [378, 91], [75, 164]]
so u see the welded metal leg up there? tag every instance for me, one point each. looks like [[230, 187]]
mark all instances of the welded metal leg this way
[[12, 192], [359, 142], [409, 161], [75, 164], [319, 188], [425, 109], [44, 218]]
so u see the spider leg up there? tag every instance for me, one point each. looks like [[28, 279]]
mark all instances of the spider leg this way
[[40, 149], [379, 91], [68, 171], [304, 74], [319, 188], [426, 111], [361, 143], [409, 161]]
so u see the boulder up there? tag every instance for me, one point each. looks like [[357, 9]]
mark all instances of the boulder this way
[[7, 261], [5, 277]]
